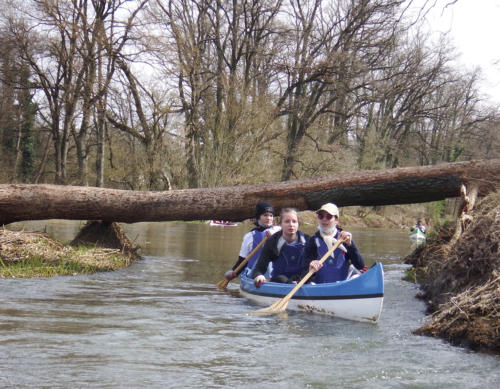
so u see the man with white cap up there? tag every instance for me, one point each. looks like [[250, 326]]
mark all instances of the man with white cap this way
[[336, 267]]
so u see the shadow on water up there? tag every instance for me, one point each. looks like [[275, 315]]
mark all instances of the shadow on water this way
[[162, 323]]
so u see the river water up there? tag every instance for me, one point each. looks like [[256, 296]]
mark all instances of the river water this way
[[161, 323]]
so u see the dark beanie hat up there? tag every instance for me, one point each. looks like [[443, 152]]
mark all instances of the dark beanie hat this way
[[263, 207]]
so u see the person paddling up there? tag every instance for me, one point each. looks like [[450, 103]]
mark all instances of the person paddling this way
[[420, 226], [284, 250], [264, 226], [336, 267]]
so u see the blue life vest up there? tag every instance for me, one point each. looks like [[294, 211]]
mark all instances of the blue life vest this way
[[289, 261], [335, 268], [258, 236]]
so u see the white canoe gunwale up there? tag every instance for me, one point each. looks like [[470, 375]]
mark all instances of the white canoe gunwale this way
[[359, 299]]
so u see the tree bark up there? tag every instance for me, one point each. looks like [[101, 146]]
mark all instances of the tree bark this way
[[369, 187]]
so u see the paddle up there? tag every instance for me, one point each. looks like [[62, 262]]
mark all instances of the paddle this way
[[280, 305], [223, 283]]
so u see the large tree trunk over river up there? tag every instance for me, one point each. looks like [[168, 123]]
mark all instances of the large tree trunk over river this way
[[374, 187]]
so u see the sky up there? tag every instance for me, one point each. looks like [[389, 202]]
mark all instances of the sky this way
[[474, 27]]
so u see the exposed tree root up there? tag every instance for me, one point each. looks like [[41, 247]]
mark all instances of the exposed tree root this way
[[105, 234]]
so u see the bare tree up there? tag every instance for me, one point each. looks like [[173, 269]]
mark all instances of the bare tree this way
[[104, 37], [333, 50], [64, 43], [421, 109], [51, 51], [222, 54], [210, 93], [146, 121]]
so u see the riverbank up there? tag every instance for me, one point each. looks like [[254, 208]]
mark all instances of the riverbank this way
[[35, 254], [461, 282], [387, 217]]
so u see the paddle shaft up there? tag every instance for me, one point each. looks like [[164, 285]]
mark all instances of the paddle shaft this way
[[244, 262]]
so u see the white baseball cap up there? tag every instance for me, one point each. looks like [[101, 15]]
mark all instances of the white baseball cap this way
[[329, 208]]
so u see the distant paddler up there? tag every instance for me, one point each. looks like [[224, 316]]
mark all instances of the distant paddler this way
[[420, 226]]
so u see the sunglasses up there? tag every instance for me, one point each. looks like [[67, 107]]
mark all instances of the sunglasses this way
[[327, 216]]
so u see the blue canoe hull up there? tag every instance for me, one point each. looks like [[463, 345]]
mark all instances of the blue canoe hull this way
[[357, 299]]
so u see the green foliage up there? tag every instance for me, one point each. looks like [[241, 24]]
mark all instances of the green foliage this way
[[410, 275], [455, 151], [436, 210], [37, 266], [371, 154], [9, 139]]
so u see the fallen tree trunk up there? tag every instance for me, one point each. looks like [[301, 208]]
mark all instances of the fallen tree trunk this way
[[374, 187]]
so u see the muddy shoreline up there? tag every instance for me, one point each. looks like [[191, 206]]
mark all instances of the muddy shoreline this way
[[460, 281]]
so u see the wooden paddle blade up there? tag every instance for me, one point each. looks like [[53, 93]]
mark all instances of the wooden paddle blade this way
[[278, 307], [268, 311], [222, 284]]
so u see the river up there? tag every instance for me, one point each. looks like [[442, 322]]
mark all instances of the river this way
[[161, 323]]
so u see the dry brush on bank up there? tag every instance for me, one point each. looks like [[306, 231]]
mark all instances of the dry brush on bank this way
[[461, 282], [34, 254]]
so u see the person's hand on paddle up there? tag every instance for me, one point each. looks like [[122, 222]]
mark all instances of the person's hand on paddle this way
[[342, 247], [229, 275], [346, 237], [315, 265], [272, 230], [259, 280]]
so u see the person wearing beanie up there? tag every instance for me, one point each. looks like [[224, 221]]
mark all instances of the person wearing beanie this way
[[336, 267], [264, 226]]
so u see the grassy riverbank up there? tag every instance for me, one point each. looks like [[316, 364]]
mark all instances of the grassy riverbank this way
[[461, 281], [33, 254]]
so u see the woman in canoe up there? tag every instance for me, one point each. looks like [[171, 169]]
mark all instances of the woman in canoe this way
[[284, 250], [336, 267], [264, 226]]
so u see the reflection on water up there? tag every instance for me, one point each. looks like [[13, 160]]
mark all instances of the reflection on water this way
[[162, 323], [203, 250]]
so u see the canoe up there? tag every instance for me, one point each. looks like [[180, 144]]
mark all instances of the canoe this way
[[222, 223], [358, 299], [416, 234]]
